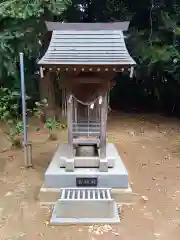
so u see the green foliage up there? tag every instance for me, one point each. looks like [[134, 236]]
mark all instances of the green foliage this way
[[9, 116], [24, 9], [9, 104], [14, 134], [22, 25], [52, 124], [38, 111], [153, 40]]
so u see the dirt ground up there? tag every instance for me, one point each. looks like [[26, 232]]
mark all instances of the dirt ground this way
[[150, 148]]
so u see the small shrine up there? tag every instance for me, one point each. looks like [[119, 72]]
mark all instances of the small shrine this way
[[86, 173]]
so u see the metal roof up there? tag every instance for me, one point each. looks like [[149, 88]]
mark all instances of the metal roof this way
[[123, 26], [87, 47]]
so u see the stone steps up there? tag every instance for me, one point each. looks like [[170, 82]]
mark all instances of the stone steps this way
[[85, 205]]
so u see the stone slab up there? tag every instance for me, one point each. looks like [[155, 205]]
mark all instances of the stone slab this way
[[76, 218], [85, 209]]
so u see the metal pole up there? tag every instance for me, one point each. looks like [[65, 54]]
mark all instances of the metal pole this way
[[27, 147]]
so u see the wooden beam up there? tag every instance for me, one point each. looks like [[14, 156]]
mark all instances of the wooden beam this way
[[103, 136], [69, 123], [88, 67]]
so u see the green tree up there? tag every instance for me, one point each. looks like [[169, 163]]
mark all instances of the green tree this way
[[22, 25], [153, 39]]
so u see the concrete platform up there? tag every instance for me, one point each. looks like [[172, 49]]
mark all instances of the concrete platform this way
[[57, 177]]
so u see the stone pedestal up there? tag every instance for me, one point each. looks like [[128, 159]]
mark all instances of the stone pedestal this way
[[56, 175], [115, 176]]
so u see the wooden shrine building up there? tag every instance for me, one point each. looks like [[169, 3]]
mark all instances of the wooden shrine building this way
[[87, 57]]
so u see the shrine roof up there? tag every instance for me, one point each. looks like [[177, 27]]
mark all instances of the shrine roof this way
[[93, 46]]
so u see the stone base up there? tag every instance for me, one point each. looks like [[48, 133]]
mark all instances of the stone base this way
[[103, 165], [116, 178], [58, 177]]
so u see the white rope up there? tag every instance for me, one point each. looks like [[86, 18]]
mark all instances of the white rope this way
[[86, 103]]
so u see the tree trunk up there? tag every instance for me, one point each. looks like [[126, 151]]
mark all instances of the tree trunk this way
[[47, 91]]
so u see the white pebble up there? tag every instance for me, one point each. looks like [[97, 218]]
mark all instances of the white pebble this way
[[8, 194]]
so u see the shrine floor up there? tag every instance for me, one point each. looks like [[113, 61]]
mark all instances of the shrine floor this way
[[150, 148]]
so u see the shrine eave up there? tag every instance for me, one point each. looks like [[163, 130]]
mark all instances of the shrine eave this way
[[87, 68]]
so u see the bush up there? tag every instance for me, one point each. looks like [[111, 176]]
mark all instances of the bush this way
[[9, 116]]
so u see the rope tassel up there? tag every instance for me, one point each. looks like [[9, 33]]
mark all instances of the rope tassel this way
[[41, 72], [131, 72], [70, 99], [100, 100], [92, 106]]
